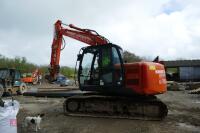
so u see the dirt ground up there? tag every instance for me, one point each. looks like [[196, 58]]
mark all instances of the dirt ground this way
[[183, 117]]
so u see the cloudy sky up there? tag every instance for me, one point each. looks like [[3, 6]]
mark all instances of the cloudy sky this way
[[168, 28]]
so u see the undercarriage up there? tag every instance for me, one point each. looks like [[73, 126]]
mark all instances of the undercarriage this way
[[147, 108]]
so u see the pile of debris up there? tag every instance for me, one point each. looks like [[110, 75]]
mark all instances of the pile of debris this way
[[193, 87], [195, 91], [175, 86]]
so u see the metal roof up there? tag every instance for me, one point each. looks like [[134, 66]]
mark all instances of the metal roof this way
[[182, 63]]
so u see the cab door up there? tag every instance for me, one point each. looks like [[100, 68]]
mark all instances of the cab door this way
[[88, 73], [111, 65]]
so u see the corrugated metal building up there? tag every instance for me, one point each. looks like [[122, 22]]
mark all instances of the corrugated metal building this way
[[183, 70]]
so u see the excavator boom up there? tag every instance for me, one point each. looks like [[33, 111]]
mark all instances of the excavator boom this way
[[87, 36]]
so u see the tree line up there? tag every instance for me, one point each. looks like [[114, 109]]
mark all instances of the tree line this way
[[24, 66], [21, 63]]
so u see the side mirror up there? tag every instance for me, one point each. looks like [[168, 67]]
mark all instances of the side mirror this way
[[79, 57]]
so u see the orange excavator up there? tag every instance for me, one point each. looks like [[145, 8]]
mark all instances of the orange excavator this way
[[111, 88], [32, 78]]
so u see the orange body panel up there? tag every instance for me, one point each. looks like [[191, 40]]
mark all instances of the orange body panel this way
[[33, 77], [145, 78], [28, 79]]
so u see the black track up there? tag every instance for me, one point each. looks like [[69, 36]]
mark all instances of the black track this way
[[149, 108]]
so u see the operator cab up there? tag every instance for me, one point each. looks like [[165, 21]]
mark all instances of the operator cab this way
[[101, 68]]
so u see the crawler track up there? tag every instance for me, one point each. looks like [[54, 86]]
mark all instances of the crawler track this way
[[115, 107]]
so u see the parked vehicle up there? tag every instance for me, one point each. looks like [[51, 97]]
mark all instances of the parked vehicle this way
[[63, 81], [10, 82]]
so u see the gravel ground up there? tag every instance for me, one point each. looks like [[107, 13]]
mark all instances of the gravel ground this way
[[183, 117]]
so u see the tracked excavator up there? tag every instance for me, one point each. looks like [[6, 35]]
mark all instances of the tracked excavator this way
[[112, 88]]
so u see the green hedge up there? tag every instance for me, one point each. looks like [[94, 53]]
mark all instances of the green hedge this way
[[21, 63]]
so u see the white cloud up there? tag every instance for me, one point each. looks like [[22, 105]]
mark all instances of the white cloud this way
[[168, 28]]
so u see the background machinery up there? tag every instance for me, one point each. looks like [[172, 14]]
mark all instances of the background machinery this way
[[31, 78], [10, 82], [111, 87]]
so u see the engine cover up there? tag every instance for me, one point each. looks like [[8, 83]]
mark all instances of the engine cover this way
[[145, 78]]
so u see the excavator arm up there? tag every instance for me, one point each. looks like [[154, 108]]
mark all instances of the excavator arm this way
[[87, 36]]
